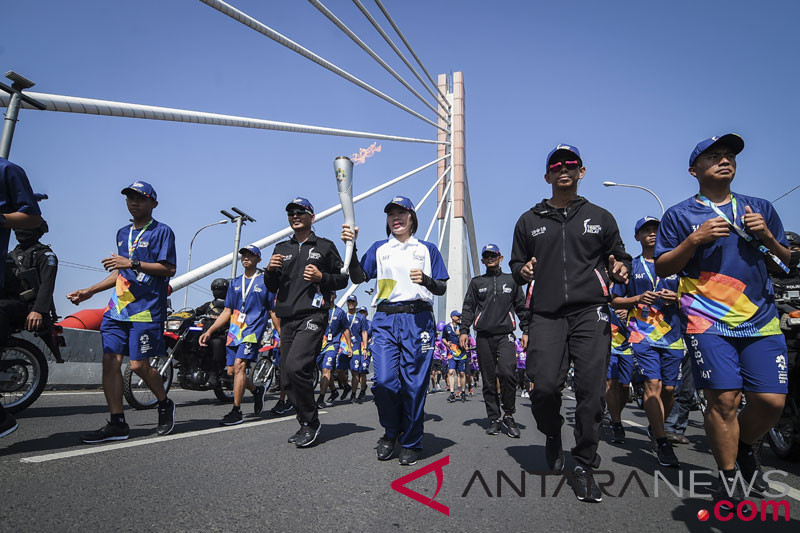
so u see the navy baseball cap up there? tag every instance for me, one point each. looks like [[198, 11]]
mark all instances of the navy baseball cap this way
[[143, 188], [454, 313], [253, 249], [352, 298], [562, 148], [644, 221], [302, 203], [400, 201], [362, 308], [731, 140], [491, 248]]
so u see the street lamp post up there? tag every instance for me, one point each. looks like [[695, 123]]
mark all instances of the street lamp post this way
[[240, 219], [189, 265], [613, 184]]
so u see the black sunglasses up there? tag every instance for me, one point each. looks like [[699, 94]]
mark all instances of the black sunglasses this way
[[296, 212]]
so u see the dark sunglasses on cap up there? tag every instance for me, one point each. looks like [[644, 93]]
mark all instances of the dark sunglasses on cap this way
[[571, 165], [296, 212]]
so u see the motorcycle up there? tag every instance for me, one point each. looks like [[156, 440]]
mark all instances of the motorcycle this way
[[23, 367], [182, 332], [784, 437]]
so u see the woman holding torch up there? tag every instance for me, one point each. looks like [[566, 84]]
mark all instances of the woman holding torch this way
[[409, 273]]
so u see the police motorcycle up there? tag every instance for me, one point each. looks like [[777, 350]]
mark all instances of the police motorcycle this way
[[784, 437], [23, 365], [194, 364]]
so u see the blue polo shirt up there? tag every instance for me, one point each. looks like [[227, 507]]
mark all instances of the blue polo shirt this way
[[356, 324], [337, 324], [140, 297], [250, 313], [16, 195]]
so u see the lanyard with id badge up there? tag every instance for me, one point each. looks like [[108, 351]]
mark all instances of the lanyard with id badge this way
[[133, 244], [245, 291], [645, 309], [318, 299]]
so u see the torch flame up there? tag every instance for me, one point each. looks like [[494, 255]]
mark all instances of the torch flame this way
[[364, 153]]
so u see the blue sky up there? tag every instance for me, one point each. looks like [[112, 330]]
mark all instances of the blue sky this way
[[635, 85]]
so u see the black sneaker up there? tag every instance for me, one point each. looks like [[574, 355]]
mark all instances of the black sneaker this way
[[751, 469], [554, 454], [385, 448], [233, 418], [288, 408], [258, 400], [362, 395], [321, 402], [166, 418], [452, 397], [278, 408], [666, 455], [730, 500], [345, 392], [463, 396], [8, 426], [653, 443], [107, 433], [294, 437], [586, 490], [333, 396], [494, 427], [617, 433], [512, 430], [408, 457], [307, 435]]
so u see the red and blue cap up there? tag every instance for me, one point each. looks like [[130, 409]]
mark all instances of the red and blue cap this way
[[143, 188], [558, 150], [731, 140], [302, 203], [491, 248], [400, 201], [253, 249], [643, 222]]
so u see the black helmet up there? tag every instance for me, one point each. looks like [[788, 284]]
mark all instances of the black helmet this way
[[793, 238], [219, 287]]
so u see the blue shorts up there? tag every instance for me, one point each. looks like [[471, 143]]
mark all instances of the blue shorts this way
[[247, 351], [136, 340], [355, 363], [459, 365], [620, 367], [658, 363], [343, 360], [365, 360], [327, 357], [754, 364]]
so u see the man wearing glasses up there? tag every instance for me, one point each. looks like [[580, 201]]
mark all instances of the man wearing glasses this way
[[573, 251], [489, 305]]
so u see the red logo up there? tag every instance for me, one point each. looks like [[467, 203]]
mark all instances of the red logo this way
[[400, 485]]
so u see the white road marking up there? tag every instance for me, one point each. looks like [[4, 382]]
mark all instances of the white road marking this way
[[792, 492], [152, 440], [73, 393], [634, 424]]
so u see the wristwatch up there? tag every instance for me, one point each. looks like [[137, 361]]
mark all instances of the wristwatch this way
[[135, 265]]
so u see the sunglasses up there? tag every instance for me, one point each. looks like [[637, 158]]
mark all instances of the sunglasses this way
[[296, 213], [571, 165], [490, 256]]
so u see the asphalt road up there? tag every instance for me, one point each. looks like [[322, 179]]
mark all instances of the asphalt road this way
[[248, 477]]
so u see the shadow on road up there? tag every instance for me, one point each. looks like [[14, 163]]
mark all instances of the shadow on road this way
[[67, 439], [433, 445], [62, 410], [334, 431]]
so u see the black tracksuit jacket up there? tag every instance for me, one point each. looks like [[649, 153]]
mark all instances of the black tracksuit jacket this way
[[294, 294], [490, 303], [571, 247]]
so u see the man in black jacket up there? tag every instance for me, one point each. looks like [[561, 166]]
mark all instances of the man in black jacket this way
[[569, 246], [489, 305], [303, 271]]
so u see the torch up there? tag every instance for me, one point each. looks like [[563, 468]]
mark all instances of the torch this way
[[344, 181]]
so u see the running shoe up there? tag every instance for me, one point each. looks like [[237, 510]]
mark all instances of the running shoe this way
[[452, 397], [166, 418], [750, 468], [512, 429], [333, 396], [362, 395], [385, 448], [321, 402], [258, 400], [729, 494], [107, 433], [294, 437], [494, 427], [278, 408], [666, 455], [408, 457], [617, 433], [307, 435], [586, 490], [345, 392], [8, 425], [233, 418], [463, 396]]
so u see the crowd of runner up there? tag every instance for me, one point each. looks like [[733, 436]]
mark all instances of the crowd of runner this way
[[575, 303]]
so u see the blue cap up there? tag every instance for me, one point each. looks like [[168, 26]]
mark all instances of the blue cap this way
[[732, 140], [643, 221], [352, 298], [302, 203], [400, 201], [253, 249], [454, 313], [362, 308], [143, 188], [491, 248], [562, 148]]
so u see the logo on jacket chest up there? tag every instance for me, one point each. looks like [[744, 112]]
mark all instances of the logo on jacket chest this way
[[538, 231], [314, 255], [483, 289], [506, 289], [591, 228]]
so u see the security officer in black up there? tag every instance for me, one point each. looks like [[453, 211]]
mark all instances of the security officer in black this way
[[489, 305], [34, 266], [216, 344]]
